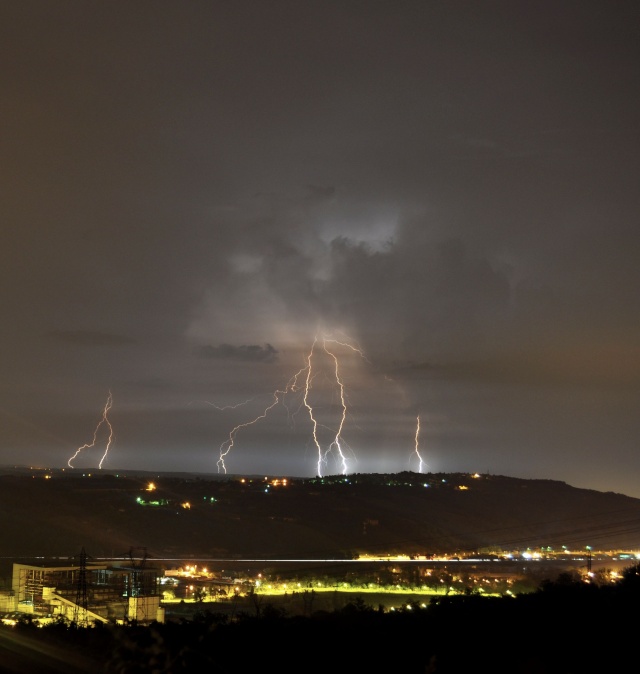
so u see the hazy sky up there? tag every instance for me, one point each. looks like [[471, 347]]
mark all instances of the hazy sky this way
[[444, 195]]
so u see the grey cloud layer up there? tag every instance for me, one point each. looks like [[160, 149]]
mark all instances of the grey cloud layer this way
[[192, 190]]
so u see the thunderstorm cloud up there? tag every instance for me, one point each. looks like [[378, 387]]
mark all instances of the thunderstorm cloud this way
[[244, 352], [89, 338], [454, 191]]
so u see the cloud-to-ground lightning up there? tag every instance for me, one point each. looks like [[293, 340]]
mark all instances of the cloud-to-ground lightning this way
[[420, 461], [338, 436], [301, 384], [224, 407], [226, 446], [104, 420]]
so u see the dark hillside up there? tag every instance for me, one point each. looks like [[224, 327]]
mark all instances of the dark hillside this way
[[56, 513]]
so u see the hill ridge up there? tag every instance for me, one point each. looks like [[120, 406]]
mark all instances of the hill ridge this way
[[56, 512]]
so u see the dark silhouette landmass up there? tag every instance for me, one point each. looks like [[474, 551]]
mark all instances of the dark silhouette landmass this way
[[569, 624], [58, 513]]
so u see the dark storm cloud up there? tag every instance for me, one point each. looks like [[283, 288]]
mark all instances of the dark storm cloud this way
[[244, 352], [452, 187], [89, 338], [320, 194], [439, 298]]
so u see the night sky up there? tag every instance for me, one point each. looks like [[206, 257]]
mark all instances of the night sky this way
[[439, 198]]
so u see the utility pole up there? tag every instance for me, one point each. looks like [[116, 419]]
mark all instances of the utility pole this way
[[81, 592]]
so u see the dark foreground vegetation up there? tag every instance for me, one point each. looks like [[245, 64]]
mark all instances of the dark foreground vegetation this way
[[566, 626]]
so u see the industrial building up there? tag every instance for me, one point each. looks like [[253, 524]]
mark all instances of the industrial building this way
[[86, 592]]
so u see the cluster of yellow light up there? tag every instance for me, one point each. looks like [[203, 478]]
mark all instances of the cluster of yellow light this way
[[531, 555], [151, 487], [280, 482], [192, 571], [462, 487], [186, 505]]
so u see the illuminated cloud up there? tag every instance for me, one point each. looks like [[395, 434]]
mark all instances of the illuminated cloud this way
[[455, 191]]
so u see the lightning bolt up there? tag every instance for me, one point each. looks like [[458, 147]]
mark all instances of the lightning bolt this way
[[106, 421], [307, 404], [301, 383], [349, 346], [277, 397], [227, 445], [420, 461], [226, 407], [336, 441]]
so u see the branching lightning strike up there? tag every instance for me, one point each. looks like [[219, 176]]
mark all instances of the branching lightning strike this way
[[301, 383], [336, 440], [225, 407], [104, 420], [420, 461]]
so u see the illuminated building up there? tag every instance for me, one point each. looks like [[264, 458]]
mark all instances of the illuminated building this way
[[86, 593]]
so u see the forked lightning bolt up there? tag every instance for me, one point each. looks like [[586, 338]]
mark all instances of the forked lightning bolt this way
[[301, 383], [420, 461], [225, 407], [336, 440], [104, 420]]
